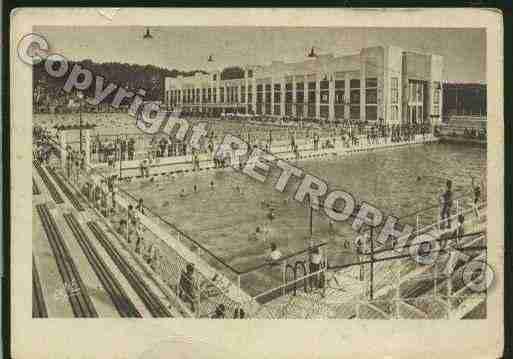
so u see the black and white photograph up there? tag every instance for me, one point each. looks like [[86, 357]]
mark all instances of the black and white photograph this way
[[260, 172]]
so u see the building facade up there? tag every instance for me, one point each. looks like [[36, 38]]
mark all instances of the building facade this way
[[384, 83], [464, 99]]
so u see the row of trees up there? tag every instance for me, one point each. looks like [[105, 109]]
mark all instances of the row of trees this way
[[48, 89]]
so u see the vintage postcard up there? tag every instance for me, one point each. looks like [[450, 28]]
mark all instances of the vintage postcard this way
[[326, 183]]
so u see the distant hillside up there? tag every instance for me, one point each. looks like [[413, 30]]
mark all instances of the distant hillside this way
[[47, 89]]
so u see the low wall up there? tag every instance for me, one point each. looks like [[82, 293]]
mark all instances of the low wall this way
[[183, 165]]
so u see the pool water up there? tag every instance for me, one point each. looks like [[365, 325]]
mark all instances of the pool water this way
[[398, 181]]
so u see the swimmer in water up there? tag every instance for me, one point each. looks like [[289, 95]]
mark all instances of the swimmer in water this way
[[419, 178], [270, 215], [212, 185], [182, 193], [195, 189]]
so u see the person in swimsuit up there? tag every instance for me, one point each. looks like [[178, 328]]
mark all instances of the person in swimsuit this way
[[477, 198], [446, 201]]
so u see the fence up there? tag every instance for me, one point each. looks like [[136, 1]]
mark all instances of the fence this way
[[403, 289], [388, 282], [291, 284], [115, 148], [201, 292]]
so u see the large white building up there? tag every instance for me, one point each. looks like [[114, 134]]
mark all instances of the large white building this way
[[382, 82]]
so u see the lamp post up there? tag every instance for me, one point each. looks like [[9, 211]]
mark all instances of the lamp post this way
[[80, 96]]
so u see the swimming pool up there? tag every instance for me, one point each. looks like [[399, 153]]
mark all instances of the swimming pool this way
[[224, 218]]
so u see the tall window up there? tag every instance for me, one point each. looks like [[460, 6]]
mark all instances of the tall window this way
[[243, 94], [339, 98], [300, 99], [260, 93], [324, 98], [268, 93], [288, 93], [267, 97], [277, 99], [221, 94], [214, 95], [300, 92], [354, 99], [394, 90], [436, 98], [250, 94], [311, 99], [325, 91], [371, 99], [260, 98], [209, 95], [311, 92], [416, 101], [288, 99]]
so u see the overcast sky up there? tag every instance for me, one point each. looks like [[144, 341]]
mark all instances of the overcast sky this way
[[187, 48]]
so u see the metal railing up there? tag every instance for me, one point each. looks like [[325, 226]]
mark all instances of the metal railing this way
[[202, 296], [209, 293]]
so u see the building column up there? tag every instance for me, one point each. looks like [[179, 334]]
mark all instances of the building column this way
[[362, 90], [331, 94], [317, 96]]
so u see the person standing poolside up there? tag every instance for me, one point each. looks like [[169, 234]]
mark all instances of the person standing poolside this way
[[186, 290], [139, 236], [477, 198], [113, 199], [360, 246], [446, 202], [140, 206], [315, 266], [460, 230]]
